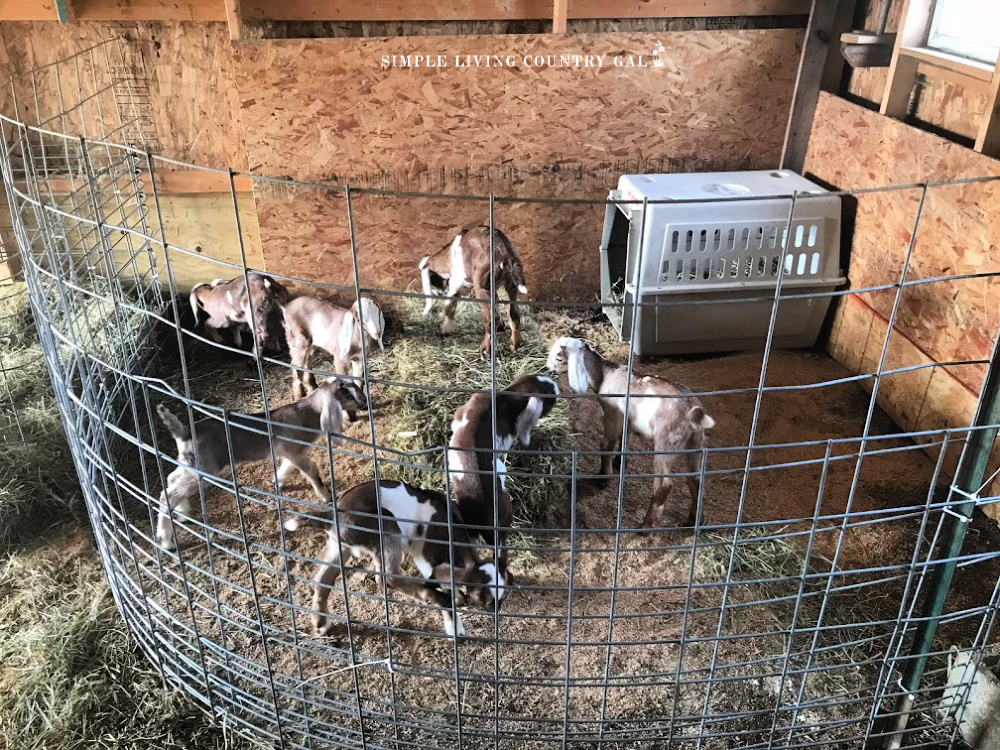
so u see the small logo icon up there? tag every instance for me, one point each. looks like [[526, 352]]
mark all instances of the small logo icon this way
[[658, 62]]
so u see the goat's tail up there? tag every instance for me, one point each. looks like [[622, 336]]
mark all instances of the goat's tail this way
[[180, 431], [506, 258], [698, 417]]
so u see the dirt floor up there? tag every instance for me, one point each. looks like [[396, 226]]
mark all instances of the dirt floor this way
[[685, 656]]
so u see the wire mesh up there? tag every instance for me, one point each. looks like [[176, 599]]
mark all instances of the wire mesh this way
[[784, 618]]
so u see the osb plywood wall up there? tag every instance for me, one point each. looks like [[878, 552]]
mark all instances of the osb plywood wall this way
[[326, 110], [939, 103], [183, 90], [190, 108], [958, 233]]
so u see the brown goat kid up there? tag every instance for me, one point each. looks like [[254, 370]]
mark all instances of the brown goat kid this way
[[226, 304], [658, 410], [414, 522], [314, 322], [216, 446], [475, 452], [465, 263]]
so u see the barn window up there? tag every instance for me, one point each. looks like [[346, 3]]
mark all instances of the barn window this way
[[967, 28]]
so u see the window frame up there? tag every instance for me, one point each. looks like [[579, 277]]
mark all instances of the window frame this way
[[952, 45]]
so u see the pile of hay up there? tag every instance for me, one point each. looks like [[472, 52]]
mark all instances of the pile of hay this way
[[72, 677], [37, 477], [419, 353]]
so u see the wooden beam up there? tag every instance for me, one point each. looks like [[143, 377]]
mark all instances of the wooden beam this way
[[559, 10], [960, 65], [833, 71], [148, 10], [234, 19], [28, 10], [914, 25], [934, 73], [180, 182], [812, 63], [400, 10], [988, 139]]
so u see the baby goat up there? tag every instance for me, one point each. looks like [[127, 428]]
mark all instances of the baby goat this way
[[213, 451], [227, 305], [668, 415], [474, 452], [415, 522], [313, 322], [466, 263]]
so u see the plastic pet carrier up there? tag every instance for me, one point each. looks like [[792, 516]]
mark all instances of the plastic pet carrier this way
[[705, 272]]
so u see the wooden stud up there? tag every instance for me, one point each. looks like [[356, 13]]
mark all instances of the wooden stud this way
[[234, 19], [365, 10], [988, 139], [560, 9], [28, 10], [178, 182], [833, 71], [961, 65], [812, 64], [914, 25]]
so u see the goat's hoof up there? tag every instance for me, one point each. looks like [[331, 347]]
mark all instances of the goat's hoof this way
[[168, 545], [323, 627], [447, 326]]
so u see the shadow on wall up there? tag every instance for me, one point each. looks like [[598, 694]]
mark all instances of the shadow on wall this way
[[848, 220]]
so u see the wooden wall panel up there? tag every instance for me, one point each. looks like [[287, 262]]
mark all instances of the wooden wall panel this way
[[959, 231], [326, 110], [188, 68]]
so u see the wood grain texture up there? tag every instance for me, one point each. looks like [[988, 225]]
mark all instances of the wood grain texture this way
[[958, 233], [325, 110], [186, 70], [940, 100]]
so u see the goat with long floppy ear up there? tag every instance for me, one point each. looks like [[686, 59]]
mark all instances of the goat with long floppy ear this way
[[668, 415], [569, 355]]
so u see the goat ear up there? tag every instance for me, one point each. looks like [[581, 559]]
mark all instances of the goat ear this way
[[577, 370], [527, 420], [346, 336], [195, 304], [331, 419]]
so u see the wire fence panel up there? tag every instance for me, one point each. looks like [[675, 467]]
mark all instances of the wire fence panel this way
[[811, 599]]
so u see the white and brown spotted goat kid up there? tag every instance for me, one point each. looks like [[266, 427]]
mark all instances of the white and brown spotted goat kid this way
[[414, 523], [313, 322], [659, 411], [465, 264], [475, 452], [214, 448], [225, 304]]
